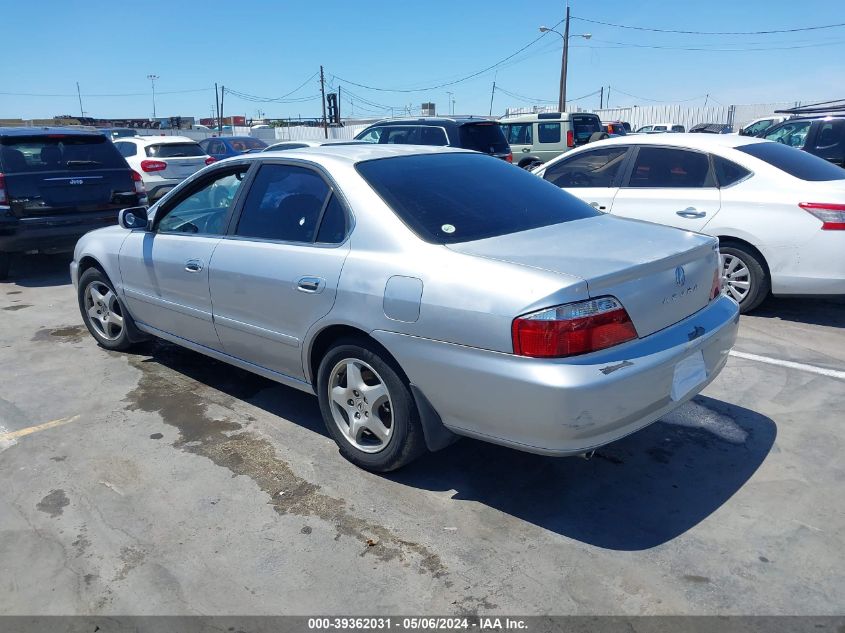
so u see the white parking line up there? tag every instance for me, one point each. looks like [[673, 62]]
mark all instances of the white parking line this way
[[821, 371]]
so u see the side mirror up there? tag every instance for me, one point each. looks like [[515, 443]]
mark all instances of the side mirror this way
[[133, 218]]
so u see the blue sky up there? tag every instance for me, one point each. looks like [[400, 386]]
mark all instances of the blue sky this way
[[268, 48]]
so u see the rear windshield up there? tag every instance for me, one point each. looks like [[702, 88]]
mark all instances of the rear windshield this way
[[175, 150], [459, 197], [584, 127], [483, 137], [56, 152], [794, 162]]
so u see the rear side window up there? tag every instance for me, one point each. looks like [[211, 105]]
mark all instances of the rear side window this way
[[728, 172], [831, 133], [794, 162], [333, 225], [584, 126], [663, 167], [678, 128], [283, 203], [483, 137], [433, 136], [548, 132], [57, 152], [475, 197], [596, 168], [401, 135], [174, 150], [518, 133]]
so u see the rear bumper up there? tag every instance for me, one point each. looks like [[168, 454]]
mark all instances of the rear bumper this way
[[50, 234], [565, 406], [816, 267]]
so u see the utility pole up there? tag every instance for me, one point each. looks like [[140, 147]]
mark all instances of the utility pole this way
[[492, 93], [565, 58], [216, 112], [337, 105], [79, 94], [152, 79], [323, 101], [601, 99], [449, 105], [608, 96], [222, 94]]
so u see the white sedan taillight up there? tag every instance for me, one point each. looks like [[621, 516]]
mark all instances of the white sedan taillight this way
[[831, 215], [573, 328]]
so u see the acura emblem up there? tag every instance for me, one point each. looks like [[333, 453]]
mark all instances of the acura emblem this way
[[680, 277]]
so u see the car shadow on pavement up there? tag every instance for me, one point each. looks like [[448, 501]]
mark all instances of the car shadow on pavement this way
[[634, 494], [829, 311], [39, 271]]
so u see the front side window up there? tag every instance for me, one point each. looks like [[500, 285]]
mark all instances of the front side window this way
[[284, 203], [756, 128], [205, 208], [678, 128], [401, 135], [548, 132], [793, 133], [483, 137], [660, 167], [447, 198], [518, 133], [433, 136], [370, 136], [597, 168], [831, 133]]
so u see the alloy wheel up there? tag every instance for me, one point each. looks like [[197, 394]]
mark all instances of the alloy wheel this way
[[103, 310], [361, 405], [736, 277]]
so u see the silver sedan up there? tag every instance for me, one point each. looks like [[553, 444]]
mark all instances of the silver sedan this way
[[422, 293]]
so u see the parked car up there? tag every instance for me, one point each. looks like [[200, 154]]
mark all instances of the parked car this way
[[118, 132], [338, 277], [481, 135], [162, 161], [616, 128], [711, 128], [537, 138], [220, 147], [299, 144], [757, 127], [661, 128], [56, 184], [779, 213], [823, 136]]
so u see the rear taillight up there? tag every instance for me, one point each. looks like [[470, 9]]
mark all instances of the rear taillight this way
[[571, 329], [831, 215], [570, 138], [210, 160], [140, 189], [3, 198], [509, 158], [153, 165], [716, 287]]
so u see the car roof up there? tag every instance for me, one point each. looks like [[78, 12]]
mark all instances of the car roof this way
[[236, 138], [693, 141], [155, 140], [433, 120], [352, 154], [40, 131]]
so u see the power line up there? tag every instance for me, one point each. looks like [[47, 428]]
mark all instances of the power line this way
[[656, 30], [126, 94], [628, 94], [708, 49], [455, 81]]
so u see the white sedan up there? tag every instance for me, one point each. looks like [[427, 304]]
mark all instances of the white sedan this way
[[162, 161], [779, 213]]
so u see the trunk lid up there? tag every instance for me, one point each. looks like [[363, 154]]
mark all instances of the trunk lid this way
[[182, 159], [660, 274]]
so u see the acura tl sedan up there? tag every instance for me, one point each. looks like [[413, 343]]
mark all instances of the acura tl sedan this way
[[421, 293]]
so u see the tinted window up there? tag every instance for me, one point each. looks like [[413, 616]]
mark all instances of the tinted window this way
[[205, 208], [583, 127], [450, 198], [756, 128], [830, 133], [433, 136], [677, 128], [596, 168], [794, 162], [174, 150], [245, 144], [728, 172], [548, 132], [518, 133], [483, 137], [370, 136], [333, 226], [283, 203], [127, 149], [214, 147], [58, 152], [401, 135], [793, 133], [661, 167]]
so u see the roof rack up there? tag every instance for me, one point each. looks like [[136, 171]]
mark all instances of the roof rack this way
[[837, 105]]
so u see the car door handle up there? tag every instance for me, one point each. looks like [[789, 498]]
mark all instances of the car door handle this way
[[598, 206], [690, 212], [311, 285], [193, 265]]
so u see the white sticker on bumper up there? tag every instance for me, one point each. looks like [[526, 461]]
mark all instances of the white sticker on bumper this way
[[689, 373]]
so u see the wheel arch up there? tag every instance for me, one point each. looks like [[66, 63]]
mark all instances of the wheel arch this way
[[527, 160], [730, 239]]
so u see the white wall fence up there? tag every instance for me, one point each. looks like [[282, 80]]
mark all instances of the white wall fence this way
[[268, 135]]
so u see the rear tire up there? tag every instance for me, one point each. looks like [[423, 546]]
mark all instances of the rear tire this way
[[103, 313], [744, 276], [5, 264], [349, 372]]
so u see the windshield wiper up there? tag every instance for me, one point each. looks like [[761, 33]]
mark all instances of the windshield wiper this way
[[74, 163]]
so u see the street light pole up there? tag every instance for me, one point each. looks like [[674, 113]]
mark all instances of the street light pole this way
[[152, 79], [564, 61]]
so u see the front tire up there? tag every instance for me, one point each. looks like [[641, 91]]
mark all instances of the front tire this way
[[744, 276], [103, 312], [367, 407]]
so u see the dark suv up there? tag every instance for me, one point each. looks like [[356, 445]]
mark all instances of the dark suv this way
[[481, 135], [823, 136], [57, 184]]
